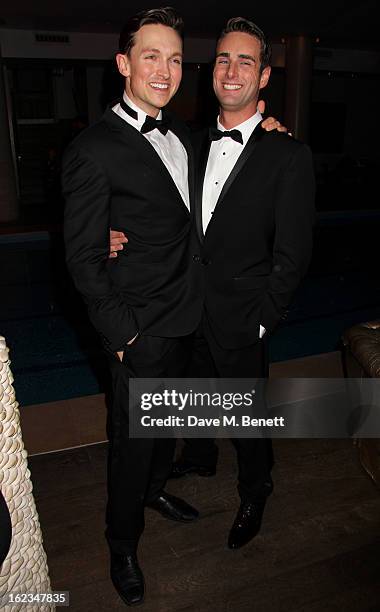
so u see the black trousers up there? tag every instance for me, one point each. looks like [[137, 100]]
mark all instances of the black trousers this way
[[254, 455], [5, 529], [137, 468]]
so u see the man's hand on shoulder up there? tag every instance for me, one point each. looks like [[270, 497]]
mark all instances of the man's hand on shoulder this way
[[117, 241], [270, 123]]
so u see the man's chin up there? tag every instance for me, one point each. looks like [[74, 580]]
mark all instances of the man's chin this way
[[229, 98], [161, 99], [231, 105]]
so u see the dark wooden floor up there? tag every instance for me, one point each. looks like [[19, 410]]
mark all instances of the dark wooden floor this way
[[319, 548]]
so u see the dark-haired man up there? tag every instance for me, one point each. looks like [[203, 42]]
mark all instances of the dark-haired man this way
[[254, 196], [134, 169]]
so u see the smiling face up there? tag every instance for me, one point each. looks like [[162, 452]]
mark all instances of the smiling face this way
[[237, 79], [153, 68]]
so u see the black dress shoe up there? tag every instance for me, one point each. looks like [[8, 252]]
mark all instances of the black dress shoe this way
[[174, 508], [246, 524], [183, 467], [127, 578]]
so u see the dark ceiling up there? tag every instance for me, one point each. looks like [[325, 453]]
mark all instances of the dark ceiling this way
[[336, 23]]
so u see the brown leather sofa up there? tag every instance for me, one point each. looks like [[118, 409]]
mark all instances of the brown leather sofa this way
[[362, 359]]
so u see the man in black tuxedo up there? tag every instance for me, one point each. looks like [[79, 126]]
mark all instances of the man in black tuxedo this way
[[254, 216], [134, 169]]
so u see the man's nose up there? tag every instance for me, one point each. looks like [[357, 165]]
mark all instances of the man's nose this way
[[163, 69], [232, 70]]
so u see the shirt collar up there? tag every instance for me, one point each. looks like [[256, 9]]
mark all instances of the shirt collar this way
[[141, 115], [246, 128]]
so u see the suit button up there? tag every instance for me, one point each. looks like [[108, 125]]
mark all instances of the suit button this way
[[196, 258], [205, 262]]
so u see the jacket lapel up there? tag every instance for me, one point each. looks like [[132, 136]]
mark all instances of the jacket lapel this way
[[184, 137], [202, 165], [255, 137], [137, 141]]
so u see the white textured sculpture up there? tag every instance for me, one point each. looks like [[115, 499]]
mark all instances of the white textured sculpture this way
[[25, 568]]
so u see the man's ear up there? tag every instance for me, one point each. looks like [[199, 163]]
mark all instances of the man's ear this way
[[123, 64], [264, 77]]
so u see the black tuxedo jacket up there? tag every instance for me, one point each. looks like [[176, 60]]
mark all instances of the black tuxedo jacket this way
[[258, 243], [113, 177]]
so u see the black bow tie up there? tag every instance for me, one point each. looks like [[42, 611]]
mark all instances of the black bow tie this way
[[215, 134], [150, 124]]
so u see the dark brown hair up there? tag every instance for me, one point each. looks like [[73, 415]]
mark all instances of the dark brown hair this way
[[240, 24], [164, 16]]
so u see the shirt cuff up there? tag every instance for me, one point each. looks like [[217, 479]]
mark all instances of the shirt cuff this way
[[262, 331]]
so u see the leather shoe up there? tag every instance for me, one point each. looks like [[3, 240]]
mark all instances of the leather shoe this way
[[182, 468], [247, 523], [174, 508], [128, 578]]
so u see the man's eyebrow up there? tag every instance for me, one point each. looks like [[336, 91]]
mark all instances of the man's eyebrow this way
[[149, 50], [241, 55], [245, 56]]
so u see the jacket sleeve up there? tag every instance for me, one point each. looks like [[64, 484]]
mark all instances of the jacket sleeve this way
[[294, 220], [86, 233]]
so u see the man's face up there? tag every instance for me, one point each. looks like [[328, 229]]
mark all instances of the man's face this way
[[237, 79], [153, 69]]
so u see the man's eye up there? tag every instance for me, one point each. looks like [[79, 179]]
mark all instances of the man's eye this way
[[222, 61], [151, 57], [177, 61]]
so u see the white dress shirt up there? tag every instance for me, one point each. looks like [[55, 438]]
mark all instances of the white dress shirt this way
[[222, 157], [169, 147]]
